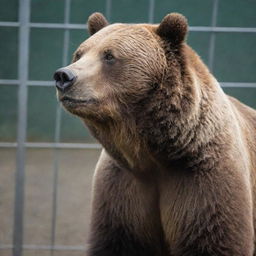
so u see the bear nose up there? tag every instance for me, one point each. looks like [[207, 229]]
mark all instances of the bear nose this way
[[64, 78]]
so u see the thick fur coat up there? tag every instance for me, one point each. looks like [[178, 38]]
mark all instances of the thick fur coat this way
[[176, 176]]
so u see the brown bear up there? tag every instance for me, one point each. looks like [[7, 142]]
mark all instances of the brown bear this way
[[177, 172]]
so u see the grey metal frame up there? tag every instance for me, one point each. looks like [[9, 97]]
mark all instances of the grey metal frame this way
[[24, 15], [24, 26]]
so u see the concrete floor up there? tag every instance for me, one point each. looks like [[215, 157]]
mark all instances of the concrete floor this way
[[73, 202]]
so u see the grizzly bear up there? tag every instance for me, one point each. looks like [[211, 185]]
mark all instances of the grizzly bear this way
[[176, 175]]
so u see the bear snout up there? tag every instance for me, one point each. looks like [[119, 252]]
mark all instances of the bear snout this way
[[64, 78]]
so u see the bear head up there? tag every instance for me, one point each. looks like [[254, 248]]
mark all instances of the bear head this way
[[131, 85]]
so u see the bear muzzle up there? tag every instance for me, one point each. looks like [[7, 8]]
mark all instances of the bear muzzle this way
[[64, 78]]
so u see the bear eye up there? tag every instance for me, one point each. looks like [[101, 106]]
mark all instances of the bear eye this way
[[108, 57], [77, 56]]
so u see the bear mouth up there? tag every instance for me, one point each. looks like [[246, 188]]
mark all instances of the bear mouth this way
[[72, 102]]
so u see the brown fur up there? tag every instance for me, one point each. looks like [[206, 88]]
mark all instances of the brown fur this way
[[177, 173], [96, 22]]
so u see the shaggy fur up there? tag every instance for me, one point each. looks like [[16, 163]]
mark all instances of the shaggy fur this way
[[177, 173]]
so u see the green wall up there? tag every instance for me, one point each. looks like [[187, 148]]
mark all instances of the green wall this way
[[234, 59]]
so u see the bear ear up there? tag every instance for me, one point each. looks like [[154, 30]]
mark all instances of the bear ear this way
[[173, 28], [96, 22]]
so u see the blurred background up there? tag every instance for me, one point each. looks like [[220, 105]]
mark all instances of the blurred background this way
[[47, 156]]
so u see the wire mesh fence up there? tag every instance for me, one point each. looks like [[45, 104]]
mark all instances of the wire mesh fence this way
[[24, 26]]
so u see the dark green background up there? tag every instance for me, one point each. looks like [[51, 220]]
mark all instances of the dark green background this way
[[234, 59]]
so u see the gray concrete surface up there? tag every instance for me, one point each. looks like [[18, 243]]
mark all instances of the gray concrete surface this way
[[74, 194]]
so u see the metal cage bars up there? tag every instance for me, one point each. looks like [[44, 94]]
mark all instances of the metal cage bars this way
[[84, 26], [24, 26], [57, 134], [24, 30]]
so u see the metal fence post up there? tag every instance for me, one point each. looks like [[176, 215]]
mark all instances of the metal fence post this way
[[57, 134], [108, 9], [24, 14], [211, 52], [151, 11]]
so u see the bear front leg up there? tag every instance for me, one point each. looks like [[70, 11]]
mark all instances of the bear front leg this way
[[125, 217]]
